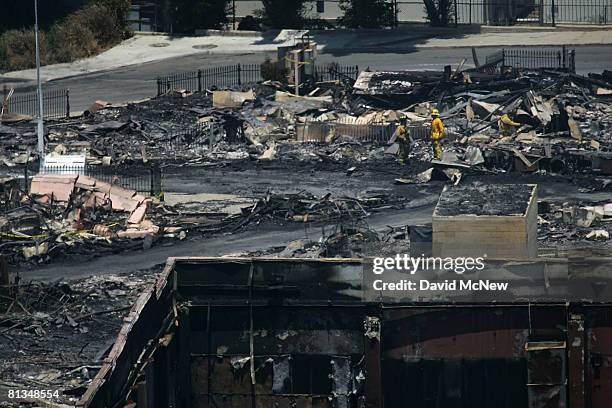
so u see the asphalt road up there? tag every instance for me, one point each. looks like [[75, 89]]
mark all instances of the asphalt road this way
[[138, 81]]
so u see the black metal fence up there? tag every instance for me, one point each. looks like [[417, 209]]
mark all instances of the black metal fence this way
[[56, 103], [239, 75], [148, 16], [335, 72], [224, 76], [145, 179], [540, 58], [577, 11], [543, 12], [533, 58], [190, 139]]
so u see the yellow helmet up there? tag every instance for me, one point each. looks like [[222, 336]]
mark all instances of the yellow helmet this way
[[435, 112]]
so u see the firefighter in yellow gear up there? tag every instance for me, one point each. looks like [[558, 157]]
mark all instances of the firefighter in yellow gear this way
[[403, 139], [507, 126], [437, 134]]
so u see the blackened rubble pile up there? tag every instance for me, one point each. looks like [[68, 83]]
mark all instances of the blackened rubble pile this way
[[56, 335], [564, 119], [275, 208], [564, 122], [564, 128], [344, 241], [78, 215], [565, 223], [203, 127], [304, 207], [64, 215], [172, 127]]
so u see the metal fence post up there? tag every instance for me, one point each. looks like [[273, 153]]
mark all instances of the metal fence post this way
[[541, 12], [553, 13], [67, 103], [456, 15], [470, 12], [159, 86], [199, 80], [508, 12], [564, 51], [5, 102], [156, 180], [25, 177], [239, 74]]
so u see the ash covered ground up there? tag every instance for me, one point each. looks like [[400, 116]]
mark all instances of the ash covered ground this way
[[259, 172]]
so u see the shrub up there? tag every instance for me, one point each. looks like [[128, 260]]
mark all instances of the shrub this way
[[249, 23], [102, 22], [81, 34], [190, 15], [284, 13], [366, 13], [118, 9], [72, 39], [84, 33], [18, 50], [439, 12]]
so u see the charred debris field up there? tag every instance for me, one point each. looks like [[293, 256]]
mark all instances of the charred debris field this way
[[187, 166]]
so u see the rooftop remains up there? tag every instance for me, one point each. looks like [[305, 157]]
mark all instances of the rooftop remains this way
[[485, 200]]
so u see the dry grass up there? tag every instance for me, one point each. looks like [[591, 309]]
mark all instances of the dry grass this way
[[82, 34], [18, 50]]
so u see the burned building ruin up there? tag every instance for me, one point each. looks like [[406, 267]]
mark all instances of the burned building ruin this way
[[262, 332]]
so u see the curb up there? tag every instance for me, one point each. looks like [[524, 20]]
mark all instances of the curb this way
[[32, 82]]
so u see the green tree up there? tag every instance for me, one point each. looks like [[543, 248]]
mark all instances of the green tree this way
[[189, 15], [366, 13], [119, 10], [284, 13], [439, 12]]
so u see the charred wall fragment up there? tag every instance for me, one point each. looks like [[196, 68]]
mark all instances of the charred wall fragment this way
[[257, 332]]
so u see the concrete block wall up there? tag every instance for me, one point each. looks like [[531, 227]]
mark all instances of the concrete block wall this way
[[497, 236]]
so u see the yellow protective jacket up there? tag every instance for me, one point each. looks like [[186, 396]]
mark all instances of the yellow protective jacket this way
[[507, 125], [402, 134], [505, 119], [437, 129]]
